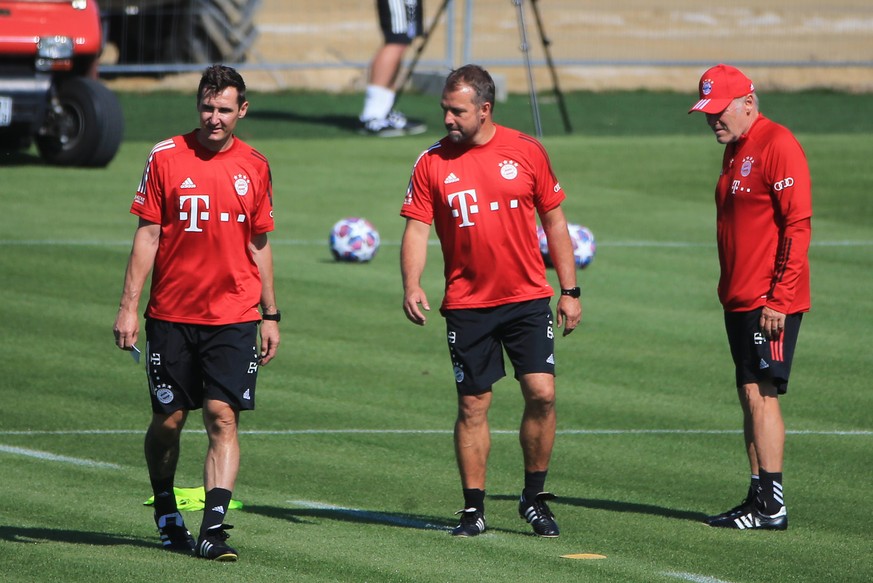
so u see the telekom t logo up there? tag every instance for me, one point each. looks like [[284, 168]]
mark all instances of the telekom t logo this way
[[194, 211], [464, 210]]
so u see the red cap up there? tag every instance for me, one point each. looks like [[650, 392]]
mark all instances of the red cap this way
[[719, 86]]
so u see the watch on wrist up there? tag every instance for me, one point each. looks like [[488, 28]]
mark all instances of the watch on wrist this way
[[277, 317], [573, 292]]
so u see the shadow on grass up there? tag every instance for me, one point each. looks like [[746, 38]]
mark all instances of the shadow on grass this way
[[17, 534], [348, 123], [617, 506], [20, 158], [301, 515]]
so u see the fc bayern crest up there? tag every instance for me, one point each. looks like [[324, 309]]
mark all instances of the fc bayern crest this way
[[706, 87], [746, 168], [241, 184], [508, 169]]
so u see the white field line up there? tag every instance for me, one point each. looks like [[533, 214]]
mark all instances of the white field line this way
[[366, 515], [42, 455], [694, 578], [846, 433], [323, 242]]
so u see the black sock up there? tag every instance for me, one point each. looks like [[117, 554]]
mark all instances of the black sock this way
[[770, 499], [534, 483], [165, 498], [474, 498], [215, 509], [754, 487]]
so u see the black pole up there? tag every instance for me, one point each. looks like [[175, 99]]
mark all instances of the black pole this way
[[546, 42]]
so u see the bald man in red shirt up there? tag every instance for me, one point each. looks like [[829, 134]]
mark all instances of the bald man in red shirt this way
[[763, 216], [482, 187]]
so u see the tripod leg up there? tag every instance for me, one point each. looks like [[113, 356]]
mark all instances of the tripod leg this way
[[546, 42], [522, 29], [424, 40]]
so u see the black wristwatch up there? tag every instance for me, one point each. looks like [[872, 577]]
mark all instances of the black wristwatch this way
[[573, 292], [277, 317]]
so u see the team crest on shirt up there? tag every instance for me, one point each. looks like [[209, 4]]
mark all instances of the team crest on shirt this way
[[241, 184], [746, 168], [508, 169]]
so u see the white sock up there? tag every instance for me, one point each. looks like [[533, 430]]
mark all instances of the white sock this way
[[377, 102]]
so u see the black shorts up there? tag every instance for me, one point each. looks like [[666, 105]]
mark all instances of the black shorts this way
[[189, 363], [757, 359], [400, 20], [477, 338]]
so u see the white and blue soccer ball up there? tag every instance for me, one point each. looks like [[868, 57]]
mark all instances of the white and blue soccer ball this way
[[584, 245], [354, 239]]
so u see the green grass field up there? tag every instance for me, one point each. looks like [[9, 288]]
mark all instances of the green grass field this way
[[348, 471]]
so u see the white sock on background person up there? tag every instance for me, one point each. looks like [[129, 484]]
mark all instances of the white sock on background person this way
[[378, 102]]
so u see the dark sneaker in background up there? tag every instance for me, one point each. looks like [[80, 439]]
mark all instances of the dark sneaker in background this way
[[393, 126]]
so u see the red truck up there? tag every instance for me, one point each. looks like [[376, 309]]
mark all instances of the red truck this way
[[49, 91]]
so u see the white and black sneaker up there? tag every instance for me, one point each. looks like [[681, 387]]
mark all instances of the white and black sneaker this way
[[538, 514], [754, 519], [727, 518], [394, 125], [472, 523], [212, 545], [174, 536]]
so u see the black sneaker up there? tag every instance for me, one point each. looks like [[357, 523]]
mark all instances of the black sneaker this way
[[394, 125], [754, 519], [727, 518], [537, 513], [212, 546], [174, 536], [472, 523]]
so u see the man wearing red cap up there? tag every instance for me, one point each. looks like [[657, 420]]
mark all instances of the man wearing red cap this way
[[763, 220]]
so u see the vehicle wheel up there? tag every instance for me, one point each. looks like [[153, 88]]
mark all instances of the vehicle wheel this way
[[84, 126]]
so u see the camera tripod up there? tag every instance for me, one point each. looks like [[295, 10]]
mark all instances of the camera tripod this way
[[525, 48]]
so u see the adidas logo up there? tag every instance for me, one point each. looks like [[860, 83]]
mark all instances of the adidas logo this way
[[451, 178], [219, 509], [247, 395], [763, 364], [188, 183], [551, 359]]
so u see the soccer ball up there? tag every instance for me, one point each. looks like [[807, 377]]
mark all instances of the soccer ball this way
[[354, 239], [584, 245]]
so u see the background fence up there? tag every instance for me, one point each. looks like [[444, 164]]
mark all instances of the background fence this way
[[621, 44]]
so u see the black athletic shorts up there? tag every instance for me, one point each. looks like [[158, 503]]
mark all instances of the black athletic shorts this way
[[477, 338], [400, 20], [189, 363], [757, 359]]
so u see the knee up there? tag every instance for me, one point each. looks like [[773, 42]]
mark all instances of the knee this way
[[168, 428]]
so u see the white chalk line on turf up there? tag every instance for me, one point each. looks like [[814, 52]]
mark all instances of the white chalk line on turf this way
[[823, 432], [43, 455], [694, 578]]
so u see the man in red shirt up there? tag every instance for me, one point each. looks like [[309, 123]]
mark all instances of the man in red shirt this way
[[764, 208], [205, 207], [482, 187]]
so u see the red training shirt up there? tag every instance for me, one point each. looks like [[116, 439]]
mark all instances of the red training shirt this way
[[482, 201], [764, 206], [209, 206]]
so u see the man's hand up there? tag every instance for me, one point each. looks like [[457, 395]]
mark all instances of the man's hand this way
[[569, 313], [269, 341], [772, 323]]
